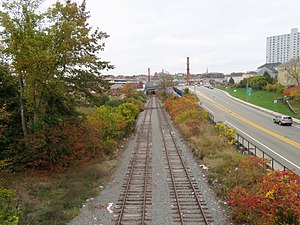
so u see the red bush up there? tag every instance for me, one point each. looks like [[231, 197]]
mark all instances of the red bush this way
[[58, 145], [292, 91], [275, 200]]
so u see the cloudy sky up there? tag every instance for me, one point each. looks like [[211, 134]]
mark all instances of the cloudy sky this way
[[221, 35]]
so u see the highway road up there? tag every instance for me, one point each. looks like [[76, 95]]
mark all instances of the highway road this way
[[280, 142]]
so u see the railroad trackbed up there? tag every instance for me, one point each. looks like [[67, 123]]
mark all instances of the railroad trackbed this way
[[186, 202]]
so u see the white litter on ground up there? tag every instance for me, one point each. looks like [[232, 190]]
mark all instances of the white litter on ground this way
[[109, 207], [203, 167]]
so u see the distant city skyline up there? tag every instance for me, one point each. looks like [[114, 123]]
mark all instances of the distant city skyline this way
[[223, 36]]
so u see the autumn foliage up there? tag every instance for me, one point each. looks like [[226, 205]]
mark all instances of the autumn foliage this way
[[59, 145], [183, 109], [274, 200], [256, 194], [78, 138], [293, 91]]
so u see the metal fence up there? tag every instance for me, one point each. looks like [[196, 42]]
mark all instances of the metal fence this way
[[247, 147]]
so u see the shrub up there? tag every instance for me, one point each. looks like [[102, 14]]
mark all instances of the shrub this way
[[136, 102], [188, 115], [186, 91], [273, 200], [225, 131], [109, 146], [108, 123], [274, 88], [258, 83], [58, 145], [8, 215], [130, 112], [176, 106], [293, 91]]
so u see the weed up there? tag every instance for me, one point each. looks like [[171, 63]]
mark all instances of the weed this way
[[58, 198]]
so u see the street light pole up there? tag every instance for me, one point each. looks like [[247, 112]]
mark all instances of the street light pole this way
[[195, 93]]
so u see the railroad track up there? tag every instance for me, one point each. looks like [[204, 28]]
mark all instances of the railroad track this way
[[188, 206], [135, 200]]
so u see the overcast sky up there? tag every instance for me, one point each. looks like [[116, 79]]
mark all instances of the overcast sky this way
[[221, 35]]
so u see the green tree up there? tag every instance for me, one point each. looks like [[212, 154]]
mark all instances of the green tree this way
[[77, 48], [54, 56], [19, 23], [243, 83], [10, 129], [268, 78], [258, 82], [231, 81]]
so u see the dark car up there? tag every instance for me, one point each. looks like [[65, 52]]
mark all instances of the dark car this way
[[283, 120]]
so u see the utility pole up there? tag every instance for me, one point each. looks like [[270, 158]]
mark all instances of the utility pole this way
[[188, 71]]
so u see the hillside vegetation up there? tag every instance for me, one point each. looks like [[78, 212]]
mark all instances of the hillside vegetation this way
[[265, 99], [267, 93]]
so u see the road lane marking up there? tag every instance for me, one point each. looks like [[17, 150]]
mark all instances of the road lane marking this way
[[280, 137], [230, 124]]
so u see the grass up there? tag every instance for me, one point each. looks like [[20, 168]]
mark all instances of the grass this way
[[264, 99], [295, 104], [56, 198]]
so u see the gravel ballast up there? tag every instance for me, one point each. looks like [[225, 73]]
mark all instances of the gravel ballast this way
[[100, 209]]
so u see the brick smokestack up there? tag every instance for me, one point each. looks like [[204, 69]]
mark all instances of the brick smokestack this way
[[148, 74], [188, 70]]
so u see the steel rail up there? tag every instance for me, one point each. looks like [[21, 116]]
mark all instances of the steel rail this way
[[146, 169], [124, 201], [173, 180], [185, 169]]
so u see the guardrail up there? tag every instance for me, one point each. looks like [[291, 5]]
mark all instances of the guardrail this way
[[247, 147]]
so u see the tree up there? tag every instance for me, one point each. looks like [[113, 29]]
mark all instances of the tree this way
[[231, 81], [243, 83], [258, 82], [54, 55], [268, 78], [166, 83], [77, 48], [293, 69], [9, 114], [19, 22]]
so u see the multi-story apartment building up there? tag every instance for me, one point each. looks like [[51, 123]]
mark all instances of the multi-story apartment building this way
[[282, 48]]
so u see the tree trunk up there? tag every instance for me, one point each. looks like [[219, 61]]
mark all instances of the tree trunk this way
[[22, 107]]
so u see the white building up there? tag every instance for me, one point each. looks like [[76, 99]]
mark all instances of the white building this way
[[282, 48]]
